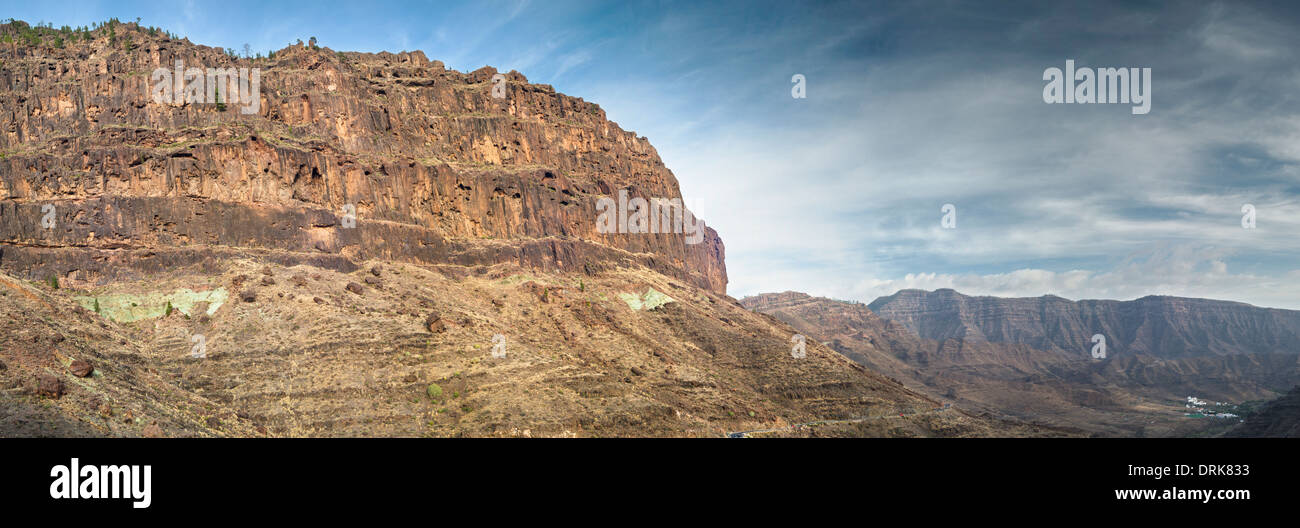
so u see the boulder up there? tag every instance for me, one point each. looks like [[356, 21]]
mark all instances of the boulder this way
[[81, 368], [49, 385], [434, 323]]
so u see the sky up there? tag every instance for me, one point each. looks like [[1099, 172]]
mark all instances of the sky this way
[[909, 106]]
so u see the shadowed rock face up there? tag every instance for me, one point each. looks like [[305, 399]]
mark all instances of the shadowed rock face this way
[[437, 169], [1279, 418], [1157, 326]]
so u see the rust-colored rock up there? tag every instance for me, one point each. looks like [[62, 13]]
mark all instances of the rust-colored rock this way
[[81, 368], [356, 288], [434, 323], [49, 385], [153, 431], [434, 169]]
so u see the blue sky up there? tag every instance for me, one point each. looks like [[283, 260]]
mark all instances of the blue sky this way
[[909, 106]]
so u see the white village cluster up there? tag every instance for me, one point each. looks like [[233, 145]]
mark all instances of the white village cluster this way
[[1196, 408]]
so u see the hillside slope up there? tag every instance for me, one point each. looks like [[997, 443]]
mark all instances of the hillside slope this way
[[304, 351], [1279, 418]]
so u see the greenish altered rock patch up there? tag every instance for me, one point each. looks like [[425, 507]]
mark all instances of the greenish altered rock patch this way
[[651, 300], [129, 307]]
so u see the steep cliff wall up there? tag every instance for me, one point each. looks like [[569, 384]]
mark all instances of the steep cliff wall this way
[[433, 167]]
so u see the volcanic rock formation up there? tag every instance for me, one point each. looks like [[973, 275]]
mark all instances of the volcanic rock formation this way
[[432, 167]]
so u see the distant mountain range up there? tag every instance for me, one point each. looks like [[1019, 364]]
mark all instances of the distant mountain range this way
[[1158, 326], [1029, 358]]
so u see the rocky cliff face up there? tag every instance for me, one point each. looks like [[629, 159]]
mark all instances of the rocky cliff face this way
[[888, 346], [1157, 326], [433, 168]]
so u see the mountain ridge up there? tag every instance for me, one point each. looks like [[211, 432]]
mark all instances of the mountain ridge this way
[[1126, 394], [1150, 324]]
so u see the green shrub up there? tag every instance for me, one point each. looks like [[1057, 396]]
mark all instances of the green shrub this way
[[434, 391], [53, 282]]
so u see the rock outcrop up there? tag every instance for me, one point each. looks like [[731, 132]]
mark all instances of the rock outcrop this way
[[350, 156]]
